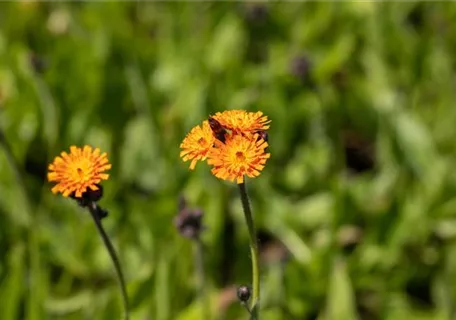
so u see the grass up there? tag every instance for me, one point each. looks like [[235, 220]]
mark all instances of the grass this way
[[355, 210]]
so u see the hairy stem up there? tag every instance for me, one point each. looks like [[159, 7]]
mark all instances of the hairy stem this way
[[94, 211], [255, 301]]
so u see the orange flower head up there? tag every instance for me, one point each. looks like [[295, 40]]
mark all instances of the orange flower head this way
[[240, 155], [197, 144], [241, 121], [81, 169]]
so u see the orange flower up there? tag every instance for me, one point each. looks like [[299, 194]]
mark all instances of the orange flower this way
[[240, 155], [241, 121], [79, 170], [197, 144]]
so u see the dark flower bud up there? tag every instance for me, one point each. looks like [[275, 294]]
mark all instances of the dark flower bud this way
[[300, 67], [243, 293], [256, 13], [38, 63], [189, 221]]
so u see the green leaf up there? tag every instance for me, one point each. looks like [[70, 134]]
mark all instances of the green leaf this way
[[340, 304], [227, 45], [12, 287]]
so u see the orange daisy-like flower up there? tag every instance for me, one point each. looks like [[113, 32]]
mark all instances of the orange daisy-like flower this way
[[81, 169], [238, 156], [241, 121], [197, 144]]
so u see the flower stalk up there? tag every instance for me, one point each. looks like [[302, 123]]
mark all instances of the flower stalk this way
[[243, 294], [78, 175], [189, 224], [95, 212], [255, 300]]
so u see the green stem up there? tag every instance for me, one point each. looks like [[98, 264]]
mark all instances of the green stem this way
[[255, 302], [200, 272], [93, 208]]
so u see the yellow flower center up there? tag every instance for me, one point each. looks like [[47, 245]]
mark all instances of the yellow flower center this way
[[81, 173], [202, 141], [240, 156]]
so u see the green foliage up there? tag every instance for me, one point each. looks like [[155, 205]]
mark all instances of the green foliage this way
[[359, 188]]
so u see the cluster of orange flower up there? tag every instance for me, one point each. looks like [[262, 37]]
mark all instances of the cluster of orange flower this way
[[233, 142]]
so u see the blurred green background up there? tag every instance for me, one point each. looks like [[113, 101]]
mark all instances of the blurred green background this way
[[356, 208]]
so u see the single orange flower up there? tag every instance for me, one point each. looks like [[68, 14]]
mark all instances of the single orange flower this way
[[240, 155], [81, 169], [241, 121], [197, 144]]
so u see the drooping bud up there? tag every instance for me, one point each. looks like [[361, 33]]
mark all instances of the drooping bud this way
[[189, 221], [243, 293]]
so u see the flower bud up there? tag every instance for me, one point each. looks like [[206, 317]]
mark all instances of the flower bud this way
[[301, 67], [243, 293], [189, 221]]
